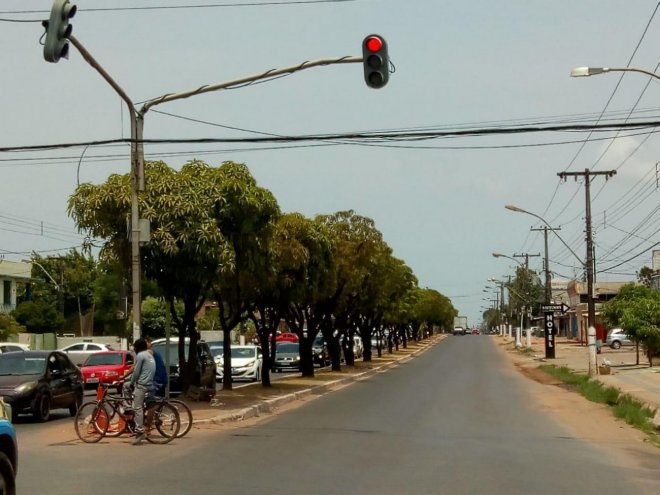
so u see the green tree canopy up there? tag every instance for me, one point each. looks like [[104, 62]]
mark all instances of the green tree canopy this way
[[636, 309]]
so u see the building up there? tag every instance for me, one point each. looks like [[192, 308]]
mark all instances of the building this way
[[578, 298], [12, 273]]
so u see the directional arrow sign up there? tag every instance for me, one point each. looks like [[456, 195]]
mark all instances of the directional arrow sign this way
[[555, 308]]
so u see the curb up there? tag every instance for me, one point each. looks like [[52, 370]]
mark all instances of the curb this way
[[270, 405]]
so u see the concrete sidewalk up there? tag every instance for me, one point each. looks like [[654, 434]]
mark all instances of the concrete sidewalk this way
[[639, 381], [254, 400]]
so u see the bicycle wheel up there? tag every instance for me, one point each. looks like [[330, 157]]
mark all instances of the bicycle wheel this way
[[91, 422], [161, 423], [116, 420], [185, 416]]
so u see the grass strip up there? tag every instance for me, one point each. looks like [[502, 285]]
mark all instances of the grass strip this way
[[623, 406]]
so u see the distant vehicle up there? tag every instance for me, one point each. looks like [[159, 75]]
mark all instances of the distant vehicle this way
[[13, 347], [82, 350], [205, 367], [286, 337], [287, 356], [106, 367], [460, 325], [475, 331], [8, 452], [246, 363], [617, 338], [38, 381], [358, 347], [320, 352]]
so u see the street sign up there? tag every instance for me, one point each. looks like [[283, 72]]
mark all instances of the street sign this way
[[549, 333], [555, 308]]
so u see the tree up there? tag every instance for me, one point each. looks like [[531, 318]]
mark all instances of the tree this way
[[9, 327], [636, 309], [306, 279], [38, 317], [525, 293], [357, 241], [645, 275], [193, 215]]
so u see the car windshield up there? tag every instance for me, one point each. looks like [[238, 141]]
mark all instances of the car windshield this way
[[173, 348], [19, 364], [287, 347], [243, 352], [103, 359]]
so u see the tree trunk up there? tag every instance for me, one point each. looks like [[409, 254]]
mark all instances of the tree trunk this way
[[226, 355], [306, 359]]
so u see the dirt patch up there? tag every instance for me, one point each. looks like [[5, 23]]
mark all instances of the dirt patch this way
[[591, 422]]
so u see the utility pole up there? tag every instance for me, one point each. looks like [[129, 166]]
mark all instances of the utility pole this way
[[546, 263], [589, 264], [526, 256]]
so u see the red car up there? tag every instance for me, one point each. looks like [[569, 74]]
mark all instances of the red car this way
[[106, 367], [286, 337]]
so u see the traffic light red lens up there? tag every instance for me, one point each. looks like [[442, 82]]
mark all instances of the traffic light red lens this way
[[374, 44]]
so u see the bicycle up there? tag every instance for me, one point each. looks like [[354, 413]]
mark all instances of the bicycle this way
[[112, 416], [185, 416]]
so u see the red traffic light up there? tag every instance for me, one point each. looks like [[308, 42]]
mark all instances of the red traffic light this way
[[374, 44]]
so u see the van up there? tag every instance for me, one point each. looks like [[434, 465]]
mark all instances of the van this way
[[205, 367]]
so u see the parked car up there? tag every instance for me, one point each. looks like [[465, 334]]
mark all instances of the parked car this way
[[107, 367], [38, 381], [246, 363], [287, 356], [82, 350], [13, 347], [205, 368], [217, 348], [320, 353], [286, 337], [8, 451], [617, 338]]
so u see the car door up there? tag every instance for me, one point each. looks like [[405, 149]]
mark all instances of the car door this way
[[57, 380], [77, 353]]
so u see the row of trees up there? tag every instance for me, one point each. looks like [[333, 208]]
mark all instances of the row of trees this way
[[218, 236]]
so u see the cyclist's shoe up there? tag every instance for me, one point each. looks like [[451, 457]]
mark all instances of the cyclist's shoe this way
[[139, 438]]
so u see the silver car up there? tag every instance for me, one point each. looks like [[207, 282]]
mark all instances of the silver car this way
[[617, 337]]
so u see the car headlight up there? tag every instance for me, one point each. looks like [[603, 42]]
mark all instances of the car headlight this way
[[26, 387], [297, 358]]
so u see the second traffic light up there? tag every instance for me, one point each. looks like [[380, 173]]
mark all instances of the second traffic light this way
[[376, 61], [58, 30]]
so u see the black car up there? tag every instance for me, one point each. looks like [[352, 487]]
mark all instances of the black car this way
[[38, 381], [205, 368]]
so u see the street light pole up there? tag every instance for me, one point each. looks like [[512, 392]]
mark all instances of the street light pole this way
[[137, 185]]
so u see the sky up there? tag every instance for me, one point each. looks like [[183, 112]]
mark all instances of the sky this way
[[457, 65]]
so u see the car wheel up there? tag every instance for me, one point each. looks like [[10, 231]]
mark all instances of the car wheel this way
[[73, 408], [616, 345], [7, 476], [42, 408]]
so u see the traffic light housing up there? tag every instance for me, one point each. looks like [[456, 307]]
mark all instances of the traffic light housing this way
[[376, 61], [58, 30]]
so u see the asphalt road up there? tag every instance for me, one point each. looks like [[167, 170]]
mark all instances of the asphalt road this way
[[454, 420]]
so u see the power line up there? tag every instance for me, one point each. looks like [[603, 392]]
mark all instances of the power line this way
[[378, 138], [187, 7]]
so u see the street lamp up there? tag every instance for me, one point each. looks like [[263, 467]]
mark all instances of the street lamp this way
[[592, 71], [588, 266], [500, 255]]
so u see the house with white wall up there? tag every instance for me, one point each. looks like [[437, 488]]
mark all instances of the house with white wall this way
[[11, 274]]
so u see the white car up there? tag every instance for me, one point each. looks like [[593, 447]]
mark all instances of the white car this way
[[13, 347], [246, 363], [80, 351]]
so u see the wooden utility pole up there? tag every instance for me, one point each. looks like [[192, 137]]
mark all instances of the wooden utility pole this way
[[589, 264], [546, 263]]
